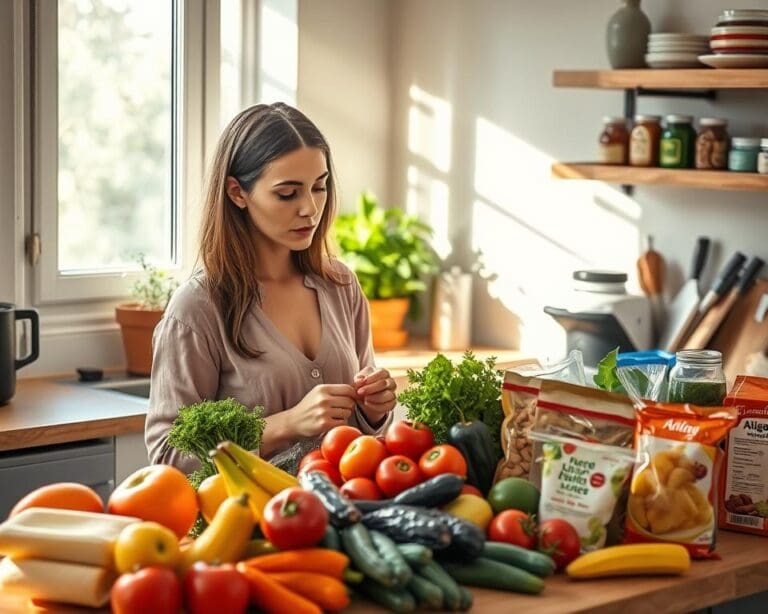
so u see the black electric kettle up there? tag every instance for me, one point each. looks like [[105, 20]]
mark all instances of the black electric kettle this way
[[9, 315]]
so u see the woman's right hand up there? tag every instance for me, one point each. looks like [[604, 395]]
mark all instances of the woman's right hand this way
[[325, 406]]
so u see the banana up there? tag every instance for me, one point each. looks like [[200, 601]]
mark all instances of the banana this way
[[270, 478], [237, 482], [226, 539], [631, 560]]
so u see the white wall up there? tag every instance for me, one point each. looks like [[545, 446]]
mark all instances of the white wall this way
[[7, 275]]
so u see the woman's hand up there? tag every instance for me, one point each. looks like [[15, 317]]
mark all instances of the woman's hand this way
[[376, 393], [325, 406]]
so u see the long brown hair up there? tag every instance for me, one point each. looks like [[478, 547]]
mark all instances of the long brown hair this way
[[254, 138]]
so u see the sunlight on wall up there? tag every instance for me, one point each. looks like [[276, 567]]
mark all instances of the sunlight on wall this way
[[429, 128], [279, 51], [429, 198]]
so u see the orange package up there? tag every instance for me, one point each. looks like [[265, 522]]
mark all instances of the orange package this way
[[744, 480], [673, 493]]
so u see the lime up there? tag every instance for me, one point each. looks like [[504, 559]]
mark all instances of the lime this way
[[514, 494]]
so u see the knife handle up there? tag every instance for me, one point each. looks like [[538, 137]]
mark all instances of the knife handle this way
[[728, 274], [699, 257], [749, 274]]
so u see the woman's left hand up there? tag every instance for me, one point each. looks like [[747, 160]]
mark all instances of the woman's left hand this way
[[376, 392]]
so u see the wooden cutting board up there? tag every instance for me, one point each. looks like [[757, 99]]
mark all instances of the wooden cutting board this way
[[740, 333]]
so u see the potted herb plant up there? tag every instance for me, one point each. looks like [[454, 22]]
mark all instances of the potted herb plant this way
[[138, 318], [389, 251]]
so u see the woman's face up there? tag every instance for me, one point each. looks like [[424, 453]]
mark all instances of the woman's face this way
[[286, 203]]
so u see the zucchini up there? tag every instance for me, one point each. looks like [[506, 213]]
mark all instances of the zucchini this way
[[492, 574], [369, 505], [358, 545], [406, 524], [388, 551], [415, 554], [331, 539], [433, 572], [394, 599], [466, 598], [529, 560], [467, 539], [341, 511], [427, 595], [435, 492]]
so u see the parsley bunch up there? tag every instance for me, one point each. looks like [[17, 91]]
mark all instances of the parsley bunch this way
[[442, 394]]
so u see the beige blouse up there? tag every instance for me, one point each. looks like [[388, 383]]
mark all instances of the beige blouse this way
[[193, 359]]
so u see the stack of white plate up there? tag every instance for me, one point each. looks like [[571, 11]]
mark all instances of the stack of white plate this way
[[675, 50], [740, 40]]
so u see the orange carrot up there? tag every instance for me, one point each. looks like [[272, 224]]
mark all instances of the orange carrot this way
[[329, 593], [272, 597], [312, 560]]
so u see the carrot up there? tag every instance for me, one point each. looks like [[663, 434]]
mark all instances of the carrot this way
[[312, 560], [329, 593], [272, 597]]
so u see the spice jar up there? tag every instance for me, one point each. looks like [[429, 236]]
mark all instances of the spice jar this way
[[712, 143], [678, 141], [614, 141], [743, 155], [762, 157], [644, 141], [697, 378]]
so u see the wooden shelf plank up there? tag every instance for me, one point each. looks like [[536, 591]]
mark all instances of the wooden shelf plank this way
[[688, 178], [675, 78]]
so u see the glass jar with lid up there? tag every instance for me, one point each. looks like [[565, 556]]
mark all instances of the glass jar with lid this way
[[712, 143], [644, 141], [762, 157], [614, 141], [743, 155], [697, 378], [678, 141]]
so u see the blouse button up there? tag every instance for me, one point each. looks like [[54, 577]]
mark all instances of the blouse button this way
[[315, 373]]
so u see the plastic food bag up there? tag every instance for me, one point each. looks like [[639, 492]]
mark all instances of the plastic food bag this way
[[644, 374]]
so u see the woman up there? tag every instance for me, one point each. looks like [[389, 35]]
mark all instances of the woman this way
[[271, 320]]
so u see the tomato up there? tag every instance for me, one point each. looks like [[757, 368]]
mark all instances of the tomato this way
[[62, 495], [211, 589], [160, 493], [323, 466], [442, 459], [146, 544], [336, 441], [362, 458], [559, 539], [210, 495], [468, 489], [410, 439], [361, 488], [309, 457], [152, 590], [396, 474], [513, 527], [294, 518]]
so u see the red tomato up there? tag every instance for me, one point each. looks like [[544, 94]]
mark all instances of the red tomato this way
[[362, 458], [410, 439], [152, 590], [294, 518], [514, 527], [559, 539], [210, 589], [396, 474], [309, 457], [325, 467], [361, 488], [442, 459], [336, 441], [468, 489]]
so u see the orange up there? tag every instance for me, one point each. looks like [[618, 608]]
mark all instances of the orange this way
[[210, 495], [62, 495]]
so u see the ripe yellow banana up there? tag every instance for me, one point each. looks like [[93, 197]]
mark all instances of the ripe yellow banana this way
[[237, 482], [631, 560], [270, 478]]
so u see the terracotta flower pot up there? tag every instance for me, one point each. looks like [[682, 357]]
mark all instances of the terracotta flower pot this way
[[387, 317], [136, 326]]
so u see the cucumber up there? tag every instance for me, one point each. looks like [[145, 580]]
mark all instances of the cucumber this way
[[406, 524], [492, 574], [394, 599], [358, 545], [466, 599], [388, 551], [331, 539], [415, 554], [529, 560], [437, 575], [427, 595], [341, 511]]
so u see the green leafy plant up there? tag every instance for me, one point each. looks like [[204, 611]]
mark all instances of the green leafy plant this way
[[606, 377], [387, 249], [442, 394], [154, 290]]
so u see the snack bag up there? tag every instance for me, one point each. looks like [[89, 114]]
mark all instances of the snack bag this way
[[673, 493]]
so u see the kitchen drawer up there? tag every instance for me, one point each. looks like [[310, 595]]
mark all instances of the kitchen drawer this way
[[90, 462]]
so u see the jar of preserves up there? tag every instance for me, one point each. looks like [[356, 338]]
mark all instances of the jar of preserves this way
[[614, 141], [644, 141], [712, 143], [762, 157], [743, 155], [697, 378], [678, 141]]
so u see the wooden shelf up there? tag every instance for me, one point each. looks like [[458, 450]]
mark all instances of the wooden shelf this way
[[675, 78], [684, 178]]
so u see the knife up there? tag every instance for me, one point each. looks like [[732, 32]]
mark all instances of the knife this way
[[723, 282]]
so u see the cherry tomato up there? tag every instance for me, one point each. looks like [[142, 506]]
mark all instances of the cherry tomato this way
[[396, 474], [309, 457], [362, 458], [294, 518], [361, 488], [468, 489], [152, 590], [442, 459], [324, 467], [513, 527], [336, 441], [210, 589], [559, 539], [410, 439]]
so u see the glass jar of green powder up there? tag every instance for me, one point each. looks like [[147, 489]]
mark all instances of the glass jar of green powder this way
[[697, 378], [678, 142], [743, 154]]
